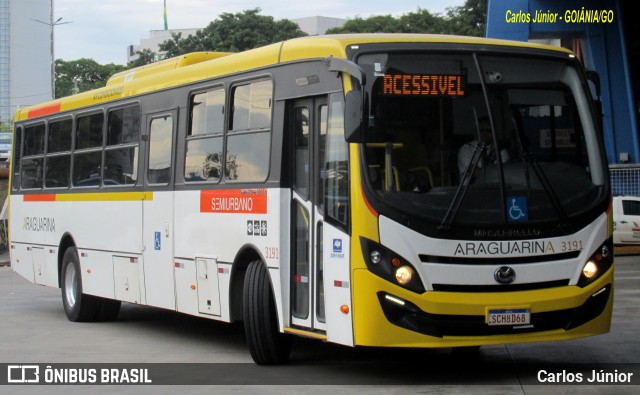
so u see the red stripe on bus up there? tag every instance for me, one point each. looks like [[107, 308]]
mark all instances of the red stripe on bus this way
[[45, 110], [48, 197], [366, 202]]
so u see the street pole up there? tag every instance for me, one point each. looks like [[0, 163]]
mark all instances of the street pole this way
[[51, 25]]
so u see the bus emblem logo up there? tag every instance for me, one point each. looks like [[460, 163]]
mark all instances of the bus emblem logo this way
[[505, 275]]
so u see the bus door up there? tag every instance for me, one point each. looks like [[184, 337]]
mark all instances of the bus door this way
[[308, 126], [158, 209]]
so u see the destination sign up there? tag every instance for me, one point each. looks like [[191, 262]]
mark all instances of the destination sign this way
[[423, 85]]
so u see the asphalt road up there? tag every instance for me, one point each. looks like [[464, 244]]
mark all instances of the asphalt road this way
[[181, 349]]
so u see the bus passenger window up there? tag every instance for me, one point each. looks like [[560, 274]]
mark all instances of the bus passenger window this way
[[121, 154], [86, 169], [32, 161], [89, 131], [124, 126], [34, 140], [160, 144], [203, 160], [120, 166], [15, 158], [207, 112], [248, 156], [252, 106], [59, 137], [58, 160], [57, 171]]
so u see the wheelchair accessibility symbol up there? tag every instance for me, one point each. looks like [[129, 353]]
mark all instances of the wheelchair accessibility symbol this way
[[517, 209]]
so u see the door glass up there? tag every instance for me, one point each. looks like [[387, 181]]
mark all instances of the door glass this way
[[301, 132], [319, 276], [160, 146], [301, 258]]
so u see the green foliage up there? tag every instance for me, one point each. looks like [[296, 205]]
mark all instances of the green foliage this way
[[145, 56], [468, 20], [5, 127], [82, 75], [233, 33]]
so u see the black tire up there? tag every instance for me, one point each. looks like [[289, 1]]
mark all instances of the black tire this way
[[77, 306], [267, 345]]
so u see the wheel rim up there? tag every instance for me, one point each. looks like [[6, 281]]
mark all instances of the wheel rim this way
[[70, 285]]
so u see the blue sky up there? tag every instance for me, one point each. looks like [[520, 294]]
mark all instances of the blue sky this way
[[102, 29]]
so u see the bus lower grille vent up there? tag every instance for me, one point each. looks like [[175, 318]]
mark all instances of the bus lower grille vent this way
[[499, 287]]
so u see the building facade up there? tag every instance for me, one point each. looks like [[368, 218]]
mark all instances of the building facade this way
[[25, 55]]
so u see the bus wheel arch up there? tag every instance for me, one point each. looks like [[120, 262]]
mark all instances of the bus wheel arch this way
[[78, 306], [66, 242], [85, 308], [243, 258]]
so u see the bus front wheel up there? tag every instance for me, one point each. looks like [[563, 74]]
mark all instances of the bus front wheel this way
[[266, 344]]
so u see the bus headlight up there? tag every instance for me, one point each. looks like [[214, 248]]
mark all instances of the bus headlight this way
[[376, 257], [404, 274], [389, 265], [590, 269], [597, 264]]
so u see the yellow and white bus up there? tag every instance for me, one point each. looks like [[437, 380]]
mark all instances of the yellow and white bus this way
[[337, 187]]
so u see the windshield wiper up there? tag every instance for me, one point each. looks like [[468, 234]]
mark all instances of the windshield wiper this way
[[548, 188], [465, 181], [522, 153]]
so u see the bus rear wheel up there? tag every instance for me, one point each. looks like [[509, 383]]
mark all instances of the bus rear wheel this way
[[78, 307], [267, 345]]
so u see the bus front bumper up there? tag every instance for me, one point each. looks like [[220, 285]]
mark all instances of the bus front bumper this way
[[387, 315]]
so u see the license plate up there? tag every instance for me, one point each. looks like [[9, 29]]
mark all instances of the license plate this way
[[511, 317]]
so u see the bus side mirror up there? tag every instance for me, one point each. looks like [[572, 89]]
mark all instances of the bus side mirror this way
[[354, 117]]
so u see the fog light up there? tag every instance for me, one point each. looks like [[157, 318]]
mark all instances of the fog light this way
[[404, 274], [590, 269], [376, 257]]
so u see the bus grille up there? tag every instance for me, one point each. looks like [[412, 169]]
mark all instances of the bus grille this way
[[500, 287]]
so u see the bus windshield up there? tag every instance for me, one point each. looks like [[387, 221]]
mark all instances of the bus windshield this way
[[518, 145]]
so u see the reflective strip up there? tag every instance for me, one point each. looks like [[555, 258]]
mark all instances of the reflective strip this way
[[340, 284]]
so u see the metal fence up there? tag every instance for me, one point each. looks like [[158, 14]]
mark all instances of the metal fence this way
[[625, 179]]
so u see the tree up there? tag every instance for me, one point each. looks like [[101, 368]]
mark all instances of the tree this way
[[468, 19], [374, 24], [233, 33], [421, 21], [145, 56], [82, 75], [5, 127]]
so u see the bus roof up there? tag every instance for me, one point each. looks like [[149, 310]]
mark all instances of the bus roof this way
[[200, 66]]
